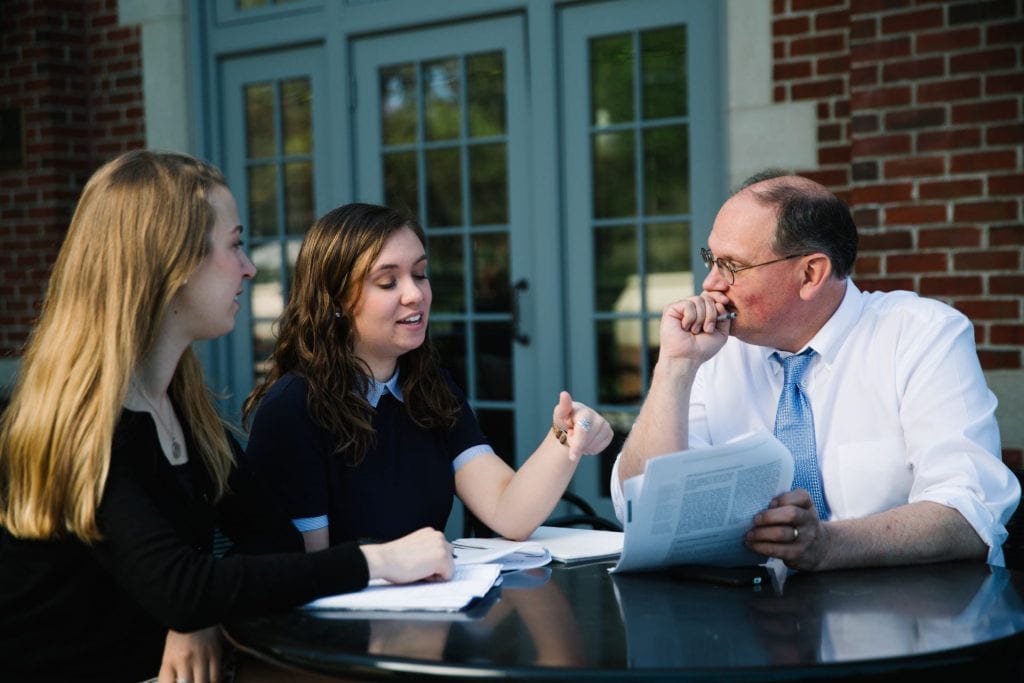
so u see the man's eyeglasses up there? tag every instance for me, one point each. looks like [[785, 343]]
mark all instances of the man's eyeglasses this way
[[728, 271]]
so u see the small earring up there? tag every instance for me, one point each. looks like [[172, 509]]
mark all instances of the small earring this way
[[337, 314]]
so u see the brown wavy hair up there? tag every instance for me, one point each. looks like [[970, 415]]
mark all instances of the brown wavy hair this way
[[141, 227], [319, 346]]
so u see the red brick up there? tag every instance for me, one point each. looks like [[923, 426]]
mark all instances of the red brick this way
[[996, 59], [831, 178], [1006, 184], [888, 240], [863, 29], [918, 214], [1006, 284], [950, 285], [948, 237], [916, 263], [948, 41], [914, 69], [1004, 235], [908, 119], [980, 112], [987, 260], [1004, 33], [885, 284], [882, 145], [983, 161], [914, 21], [828, 21], [1005, 135], [831, 66], [864, 171], [791, 70], [866, 218], [985, 212], [999, 360], [881, 50], [865, 75], [864, 123], [881, 97], [790, 26], [867, 265], [914, 167], [836, 154], [989, 309], [1004, 84], [945, 91], [1007, 334], [881, 194], [951, 189], [932, 141]]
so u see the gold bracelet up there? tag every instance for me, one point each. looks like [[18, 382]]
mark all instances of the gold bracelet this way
[[560, 434]]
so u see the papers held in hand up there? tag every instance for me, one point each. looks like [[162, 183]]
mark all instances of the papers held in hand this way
[[695, 506]]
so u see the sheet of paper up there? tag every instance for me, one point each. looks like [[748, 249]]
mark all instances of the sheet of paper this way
[[469, 582], [573, 545], [694, 507], [511, 555]]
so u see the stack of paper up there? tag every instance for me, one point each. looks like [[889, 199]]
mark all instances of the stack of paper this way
[[510, 555], [470, 581], [545, 544]]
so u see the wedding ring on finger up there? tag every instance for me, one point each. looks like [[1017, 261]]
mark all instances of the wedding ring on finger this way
[[585, 424], [796, 533]]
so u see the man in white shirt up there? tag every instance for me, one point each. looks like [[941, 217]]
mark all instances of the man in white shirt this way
[[904, 428]]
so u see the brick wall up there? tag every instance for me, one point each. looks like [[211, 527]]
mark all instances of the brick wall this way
[[75, 79], [920, 129]]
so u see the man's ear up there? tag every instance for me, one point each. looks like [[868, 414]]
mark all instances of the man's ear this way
[[816, 273]]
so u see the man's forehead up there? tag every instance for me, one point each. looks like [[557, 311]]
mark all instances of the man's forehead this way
[[743, 225]]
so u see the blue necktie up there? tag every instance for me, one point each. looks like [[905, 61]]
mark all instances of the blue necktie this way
[[794, 427]]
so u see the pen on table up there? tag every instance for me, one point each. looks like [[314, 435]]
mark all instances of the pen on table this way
[[726, 316]]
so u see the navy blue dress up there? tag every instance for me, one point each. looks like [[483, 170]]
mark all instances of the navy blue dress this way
[[404, 483]]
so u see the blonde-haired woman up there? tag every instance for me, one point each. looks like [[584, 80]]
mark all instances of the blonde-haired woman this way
[[114, 466]]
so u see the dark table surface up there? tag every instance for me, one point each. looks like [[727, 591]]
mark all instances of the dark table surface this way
[[580, 622]]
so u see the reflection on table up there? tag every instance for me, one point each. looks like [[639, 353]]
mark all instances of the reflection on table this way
[[566, 621]]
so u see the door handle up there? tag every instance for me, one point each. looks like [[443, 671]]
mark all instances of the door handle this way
[[518, 288]]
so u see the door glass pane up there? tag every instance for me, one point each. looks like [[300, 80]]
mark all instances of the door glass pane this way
[[446, 273], [441, 86], [499, 428], [494, 361], [400, 181], [398, 104], [296, 116], [444, 187], [611, 79], [298, 196], [259, 120], [664, 72], [485, 92], [449, 338], [491, 290], [488, 184], [619, 361], [614, 187], [263, 200], [666, 170], [616, 283]]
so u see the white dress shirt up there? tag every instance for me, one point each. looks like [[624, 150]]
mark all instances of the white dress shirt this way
[[901, 411]]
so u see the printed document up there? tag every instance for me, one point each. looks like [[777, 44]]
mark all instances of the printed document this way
[[695, 506]]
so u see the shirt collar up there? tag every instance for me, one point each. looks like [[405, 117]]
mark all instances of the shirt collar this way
[[377, 389]]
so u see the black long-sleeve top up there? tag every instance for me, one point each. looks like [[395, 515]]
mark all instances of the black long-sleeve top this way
[[71, 611]]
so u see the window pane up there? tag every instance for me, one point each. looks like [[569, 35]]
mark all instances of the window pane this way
[[488, 184], [297, 116], [263, 200], [494, 361], [499, 428], [298, 197], [668, 250], [259, 121], [611, 79], [450, 340], [617, 286], [664, 72], [618, 361], [398, 104], [267, 292], [666, 170], [444, 188], [485, 94], [400, 182], [491, 292], [446, 273], [614, 176], [441, 99]]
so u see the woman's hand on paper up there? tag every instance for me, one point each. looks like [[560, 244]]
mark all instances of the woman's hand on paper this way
[[791, 531], [588, 432], [423, 554]]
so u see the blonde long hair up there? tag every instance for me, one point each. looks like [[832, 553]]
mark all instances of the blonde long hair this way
[[140, 228]]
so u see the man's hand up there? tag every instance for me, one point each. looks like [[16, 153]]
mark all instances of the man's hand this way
[[791, 531], [690, 329]]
